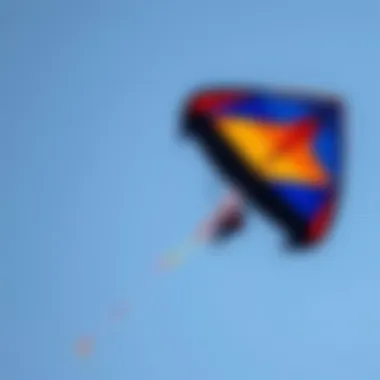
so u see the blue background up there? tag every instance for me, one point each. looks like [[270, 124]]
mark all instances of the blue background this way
[[95, 184]]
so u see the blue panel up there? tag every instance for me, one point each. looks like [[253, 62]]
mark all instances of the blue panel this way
[[305, 201], [327, 147], [270, 108]]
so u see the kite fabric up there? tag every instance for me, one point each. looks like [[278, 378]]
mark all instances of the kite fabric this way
[[227, 220], [283, 150]]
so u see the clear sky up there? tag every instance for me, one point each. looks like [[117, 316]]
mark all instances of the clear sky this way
[[95, 184]]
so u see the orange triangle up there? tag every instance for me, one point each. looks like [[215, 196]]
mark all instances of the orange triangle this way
[[297, 166]]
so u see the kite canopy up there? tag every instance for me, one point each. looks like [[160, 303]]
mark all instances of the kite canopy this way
[[283, 150]]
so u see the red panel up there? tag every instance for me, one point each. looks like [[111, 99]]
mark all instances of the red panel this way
[[321, 221], [211, 101]]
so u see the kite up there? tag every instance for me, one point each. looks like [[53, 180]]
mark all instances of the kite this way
[[282, 150]]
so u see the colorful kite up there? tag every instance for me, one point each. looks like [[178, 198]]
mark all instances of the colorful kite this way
[[280, 151], [283, 151]]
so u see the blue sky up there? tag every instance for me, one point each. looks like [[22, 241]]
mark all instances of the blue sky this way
[[95, 184]]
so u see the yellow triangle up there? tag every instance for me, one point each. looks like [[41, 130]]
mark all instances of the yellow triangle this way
[[249, 139]]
